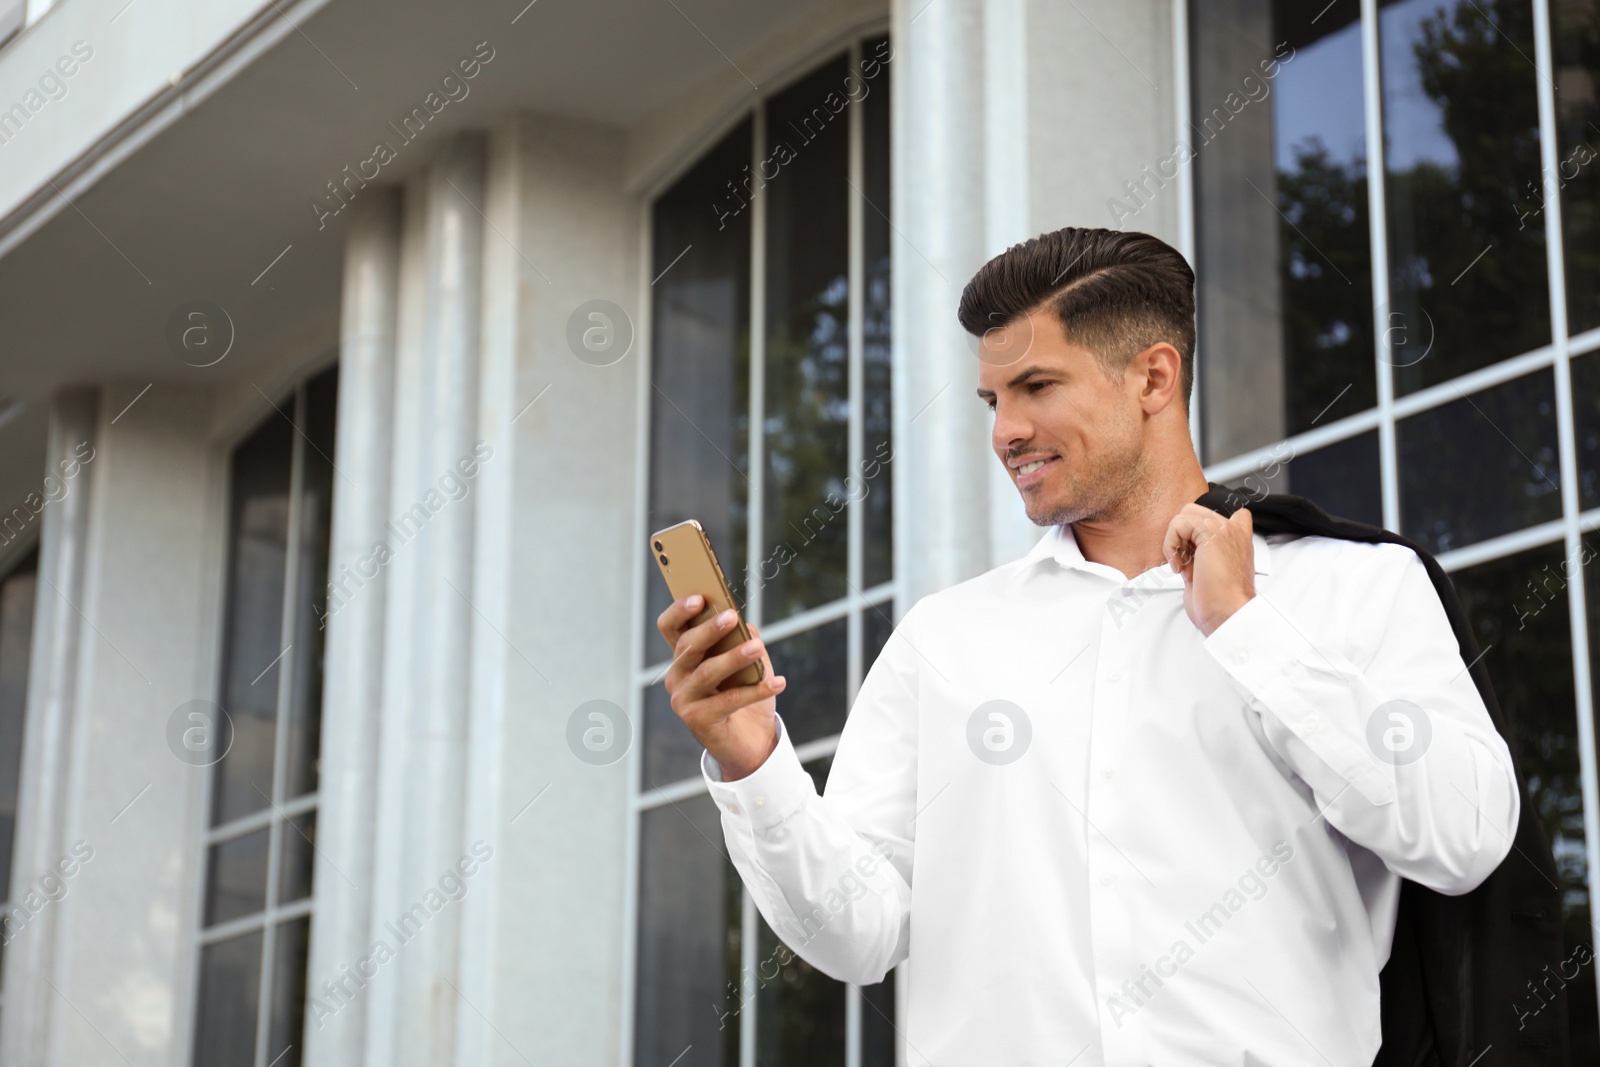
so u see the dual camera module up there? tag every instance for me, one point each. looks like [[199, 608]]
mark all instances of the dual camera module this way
[[661, 553]]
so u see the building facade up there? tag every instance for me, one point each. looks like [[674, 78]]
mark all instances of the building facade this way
[[352, 352]]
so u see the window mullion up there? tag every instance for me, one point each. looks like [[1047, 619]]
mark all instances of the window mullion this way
[[1371, 70], [758, 371], [856, 391], [856, 387], [753, 526], [280, 742]]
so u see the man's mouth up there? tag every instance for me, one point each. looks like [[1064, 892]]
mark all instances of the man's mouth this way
[[1028, 470]]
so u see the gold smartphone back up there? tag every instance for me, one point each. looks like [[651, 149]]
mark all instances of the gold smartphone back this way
[[683, 553]]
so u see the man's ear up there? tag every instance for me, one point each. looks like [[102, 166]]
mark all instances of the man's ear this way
[[1161, 368]]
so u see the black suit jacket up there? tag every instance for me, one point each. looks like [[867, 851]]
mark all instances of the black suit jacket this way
[[1460, 966]]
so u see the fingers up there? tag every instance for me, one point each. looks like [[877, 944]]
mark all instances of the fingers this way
[[670, 623], [715, 670], [1194, 526], [707, 710], [695, 690]]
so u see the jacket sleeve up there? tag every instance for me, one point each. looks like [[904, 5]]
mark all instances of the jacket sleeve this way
[[1400, 754], [831, 873]]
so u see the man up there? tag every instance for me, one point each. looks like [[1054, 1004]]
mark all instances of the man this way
[[1147, 795]]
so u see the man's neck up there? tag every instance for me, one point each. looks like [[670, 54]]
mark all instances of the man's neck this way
[[1130, 540]]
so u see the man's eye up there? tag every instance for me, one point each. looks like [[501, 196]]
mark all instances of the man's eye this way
[[1036, 386]]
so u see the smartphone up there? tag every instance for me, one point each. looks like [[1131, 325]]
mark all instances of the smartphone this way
[[683, 552]]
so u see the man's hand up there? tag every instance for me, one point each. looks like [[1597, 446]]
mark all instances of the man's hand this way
[[738, 726], [1217, 559]]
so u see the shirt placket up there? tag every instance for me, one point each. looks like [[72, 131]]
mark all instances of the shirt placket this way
[[1111, 877]]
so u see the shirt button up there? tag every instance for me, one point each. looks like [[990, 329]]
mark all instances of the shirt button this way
[[1127, 590], [1106, 879], [1105, 772], [734, 808], [1241, 655], [1114, 676], [1313, 725], [761, 802]]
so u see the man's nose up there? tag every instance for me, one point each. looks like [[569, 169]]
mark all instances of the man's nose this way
[[1009, 430]]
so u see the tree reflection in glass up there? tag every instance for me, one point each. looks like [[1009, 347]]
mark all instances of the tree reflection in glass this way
[[1461, 147]]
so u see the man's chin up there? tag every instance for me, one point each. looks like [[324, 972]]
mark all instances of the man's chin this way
[[1050, 513]]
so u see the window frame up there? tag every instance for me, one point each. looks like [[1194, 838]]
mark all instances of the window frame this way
[[852, 606], [289, 401]]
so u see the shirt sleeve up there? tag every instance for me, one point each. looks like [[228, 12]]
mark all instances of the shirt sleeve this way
[[1401, 755], [831, 873]]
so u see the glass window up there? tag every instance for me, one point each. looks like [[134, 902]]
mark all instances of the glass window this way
[[1577, 60], [690, 939], [1341, 478], [770, 424], [1461, 142], [1519, 616], [259, 857], [1480, 466], [1586, 427], [1284, 267]]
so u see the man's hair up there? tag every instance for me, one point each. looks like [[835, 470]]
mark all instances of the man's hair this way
[[1116, 293]]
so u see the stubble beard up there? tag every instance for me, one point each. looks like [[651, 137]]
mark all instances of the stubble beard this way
[[1117, 479]]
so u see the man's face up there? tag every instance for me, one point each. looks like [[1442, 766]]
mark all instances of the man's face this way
[[1070, 437]]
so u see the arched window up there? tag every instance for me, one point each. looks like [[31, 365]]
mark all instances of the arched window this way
[[264, 740], [769, 423]]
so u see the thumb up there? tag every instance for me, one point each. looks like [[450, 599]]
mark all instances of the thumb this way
[[1243, 519]]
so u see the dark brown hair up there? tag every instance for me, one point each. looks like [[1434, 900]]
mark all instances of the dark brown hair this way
[[1116, 294]]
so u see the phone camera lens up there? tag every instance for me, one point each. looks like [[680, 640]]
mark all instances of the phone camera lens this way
[[658, 546], [664, 561]]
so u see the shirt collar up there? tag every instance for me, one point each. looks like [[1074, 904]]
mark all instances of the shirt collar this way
[[1062, 544]]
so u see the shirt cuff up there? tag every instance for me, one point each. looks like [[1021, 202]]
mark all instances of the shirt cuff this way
[[768, 795], [1275, 668]]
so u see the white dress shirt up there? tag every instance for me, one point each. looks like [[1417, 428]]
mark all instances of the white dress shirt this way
[[1194, 854]]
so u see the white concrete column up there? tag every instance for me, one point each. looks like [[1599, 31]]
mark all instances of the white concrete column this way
[[428, 643], [555, 632], [123, 985], [351, 722], [1006, 203], [494, 494], [941, 430], [401, 606], [50, 729]]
